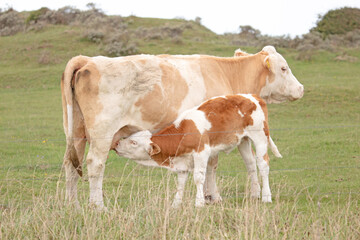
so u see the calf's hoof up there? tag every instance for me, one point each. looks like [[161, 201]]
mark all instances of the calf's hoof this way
[[176, 204], [98, 206], [266, 199]]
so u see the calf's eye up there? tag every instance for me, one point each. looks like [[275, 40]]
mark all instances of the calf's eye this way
[[283, 69]]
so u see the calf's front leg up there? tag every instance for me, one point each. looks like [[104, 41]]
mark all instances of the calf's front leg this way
[[182, 177], [212, 194]]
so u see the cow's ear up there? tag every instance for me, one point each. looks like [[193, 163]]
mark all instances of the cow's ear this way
[[267, 63], [154, 149], [240, 53]]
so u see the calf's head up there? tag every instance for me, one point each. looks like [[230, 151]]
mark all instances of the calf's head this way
[[138, 146], [281, 85]]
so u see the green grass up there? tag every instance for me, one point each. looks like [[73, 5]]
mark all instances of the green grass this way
[[315, 186]]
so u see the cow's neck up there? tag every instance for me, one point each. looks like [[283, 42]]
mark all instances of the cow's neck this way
[[246, 74]]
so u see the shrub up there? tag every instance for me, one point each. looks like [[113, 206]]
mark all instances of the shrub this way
[[121, 49], [36, 15], [177, 40], [10, 23], [119, 45], [172, 31], [338, 21], [94, 35]]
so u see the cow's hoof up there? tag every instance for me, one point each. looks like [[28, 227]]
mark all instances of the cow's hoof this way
[[98, 207], [210, 199]]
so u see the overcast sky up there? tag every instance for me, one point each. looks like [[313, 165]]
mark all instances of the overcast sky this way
[[272, 17]]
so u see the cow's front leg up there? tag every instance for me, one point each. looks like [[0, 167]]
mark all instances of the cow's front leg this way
[[250, 162], [200, 164], [211, 191], [182, 177], [96, 158]]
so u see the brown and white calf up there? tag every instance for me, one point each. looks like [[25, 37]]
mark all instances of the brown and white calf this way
[[218, 124]]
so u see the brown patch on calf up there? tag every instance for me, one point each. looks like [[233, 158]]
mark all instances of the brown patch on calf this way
[[86, 87], [224, 117], [177, 141], [264, 109], [168, 96]]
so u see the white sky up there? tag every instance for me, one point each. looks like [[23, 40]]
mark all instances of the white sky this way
[[272, 17]]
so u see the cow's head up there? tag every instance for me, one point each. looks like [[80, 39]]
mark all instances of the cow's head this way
[[281, 85], [138, 146]]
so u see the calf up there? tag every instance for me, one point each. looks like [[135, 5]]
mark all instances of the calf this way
[[219, 124]]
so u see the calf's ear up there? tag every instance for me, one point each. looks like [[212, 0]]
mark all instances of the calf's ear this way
[[154, 149]]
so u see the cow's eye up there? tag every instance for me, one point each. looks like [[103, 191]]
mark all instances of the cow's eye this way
[[283, 69]]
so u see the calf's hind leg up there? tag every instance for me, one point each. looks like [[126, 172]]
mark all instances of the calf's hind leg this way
[[250, 162], [200, 164], [261, 154]]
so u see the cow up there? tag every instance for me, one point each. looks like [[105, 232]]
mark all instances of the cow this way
[[106, 99], [218, 124]]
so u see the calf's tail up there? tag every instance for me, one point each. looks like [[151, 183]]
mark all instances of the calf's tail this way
[[274, 148]]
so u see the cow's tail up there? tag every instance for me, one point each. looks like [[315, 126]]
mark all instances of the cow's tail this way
[[68, 107], [274, 148]]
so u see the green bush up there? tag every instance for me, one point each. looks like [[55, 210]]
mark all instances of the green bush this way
[[339, 21]]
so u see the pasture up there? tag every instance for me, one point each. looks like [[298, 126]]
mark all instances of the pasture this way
[[316, 185]]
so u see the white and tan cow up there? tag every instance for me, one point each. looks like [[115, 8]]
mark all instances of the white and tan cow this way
[[218, 124], [105, 99]]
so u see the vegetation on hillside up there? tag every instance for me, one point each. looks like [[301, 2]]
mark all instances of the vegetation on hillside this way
[[339, 21], [119, 36]]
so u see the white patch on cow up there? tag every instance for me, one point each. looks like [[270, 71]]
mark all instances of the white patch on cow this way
[[121, 86], [191, 73], [70, 119], [198, 117]]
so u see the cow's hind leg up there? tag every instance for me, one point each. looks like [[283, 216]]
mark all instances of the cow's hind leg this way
[[250, 162], [73, 159], [71, 175], [212, 194], [72, 163], [96, 158]]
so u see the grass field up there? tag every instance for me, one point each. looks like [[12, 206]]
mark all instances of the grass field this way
[[316, 185]]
